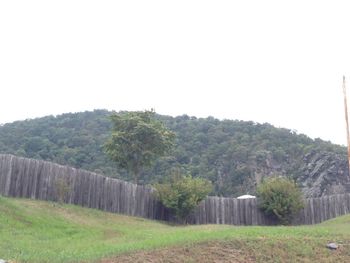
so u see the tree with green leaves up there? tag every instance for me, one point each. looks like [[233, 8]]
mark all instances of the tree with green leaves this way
[[182, 193], [137, 140], [280, 198]]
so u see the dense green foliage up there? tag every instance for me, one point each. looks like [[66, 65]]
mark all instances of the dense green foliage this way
[[137, 140], [36, 231], [182, 194], [231, 154], [280, 198]]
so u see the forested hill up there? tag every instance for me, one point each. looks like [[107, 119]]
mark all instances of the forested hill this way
[[234, 155]]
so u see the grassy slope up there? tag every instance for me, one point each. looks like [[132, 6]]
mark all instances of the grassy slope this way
[[34, 231]]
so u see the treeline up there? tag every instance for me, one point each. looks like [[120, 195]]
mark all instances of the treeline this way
[[234, 155]]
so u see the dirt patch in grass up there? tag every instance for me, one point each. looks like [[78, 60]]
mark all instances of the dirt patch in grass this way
[[213, 252], [239, 251]]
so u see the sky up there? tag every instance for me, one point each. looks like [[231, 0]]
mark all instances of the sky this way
[[280, 62]]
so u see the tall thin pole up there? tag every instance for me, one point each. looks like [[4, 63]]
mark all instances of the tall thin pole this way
[[347, 120]]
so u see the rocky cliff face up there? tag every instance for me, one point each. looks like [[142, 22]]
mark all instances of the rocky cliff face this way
[[317, 173], [324, 173]]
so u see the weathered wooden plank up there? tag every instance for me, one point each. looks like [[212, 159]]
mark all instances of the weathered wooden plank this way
[[22, 177]]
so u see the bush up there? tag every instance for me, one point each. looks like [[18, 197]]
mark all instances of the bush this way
[[182, 194], [280, 199]]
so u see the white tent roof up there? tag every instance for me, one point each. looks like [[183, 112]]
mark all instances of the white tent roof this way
[[246, 196]]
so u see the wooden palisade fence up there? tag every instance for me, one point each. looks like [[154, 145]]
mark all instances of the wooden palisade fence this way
[[28, 178]]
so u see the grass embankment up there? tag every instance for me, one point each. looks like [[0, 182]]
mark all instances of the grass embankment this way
[[35, 231]]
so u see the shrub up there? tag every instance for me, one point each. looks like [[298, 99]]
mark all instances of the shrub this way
[[62, 189], [182, 194], [280, 199]]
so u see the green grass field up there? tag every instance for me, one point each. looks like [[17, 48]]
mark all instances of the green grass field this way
[[36, 231]]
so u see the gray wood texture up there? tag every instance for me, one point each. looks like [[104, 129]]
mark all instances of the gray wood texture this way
[[36, 179]]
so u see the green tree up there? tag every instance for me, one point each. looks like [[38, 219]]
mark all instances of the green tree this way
[[280, 198], [137, 140], [182, 193]]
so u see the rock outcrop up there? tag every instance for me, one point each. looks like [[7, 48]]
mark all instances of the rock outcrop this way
[[324, 173]]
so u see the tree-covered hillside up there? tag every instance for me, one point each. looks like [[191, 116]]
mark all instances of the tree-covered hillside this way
[[234, 155]]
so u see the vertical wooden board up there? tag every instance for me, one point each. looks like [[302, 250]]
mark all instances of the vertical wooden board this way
[[114, 196], [313, 211], [310, 212], [119, 193], [345, 203], [8, 175], [108, 190], [203, 212], [207, 210], [337, 205], [51, 177], [16, 183], [318, 209], [216, 210], [25, 181], [89, 192], [322, 211], [142, 201], [212, 215], [137, 201], [126, 198], [222, 210], [42, 183], [229, 211], [146, 205], [306, 212], [2, 174], [333, 206], [80, 188], [197, 214], [97, 191], [348, 202], [249, 213], [100, 191], [39, 175], [34, 178], [235, 213], [13, 177], [241, 212], [74, 192], [204, 215], [330, 207], [134, 192], [254, 212], [152, 215], [325, 207], [95, 184], [109, 200], [341, 204], [129, 199]]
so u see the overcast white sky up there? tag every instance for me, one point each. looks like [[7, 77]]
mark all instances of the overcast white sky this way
[[278, 61]]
